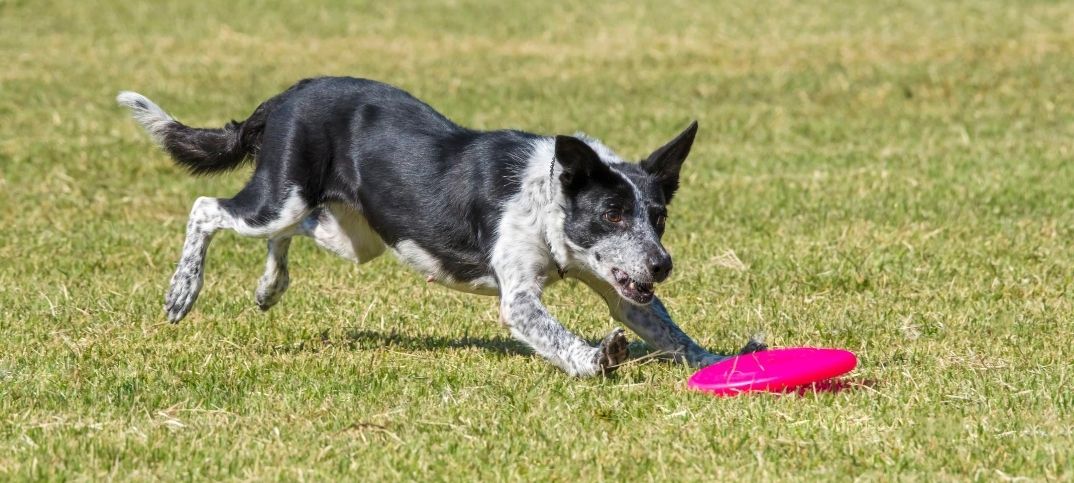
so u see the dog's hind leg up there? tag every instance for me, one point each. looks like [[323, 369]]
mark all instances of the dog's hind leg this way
[[252, 212], [275, 280], [206, 217]]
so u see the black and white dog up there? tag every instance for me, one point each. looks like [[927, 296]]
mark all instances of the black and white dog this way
[[358, 165]]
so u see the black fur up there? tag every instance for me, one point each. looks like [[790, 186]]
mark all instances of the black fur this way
[[213, 150], [592, 191], [422, 177], [666, 162], [581, 165], [413, 173]]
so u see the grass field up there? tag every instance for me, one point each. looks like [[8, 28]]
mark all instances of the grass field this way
[[891, 177]]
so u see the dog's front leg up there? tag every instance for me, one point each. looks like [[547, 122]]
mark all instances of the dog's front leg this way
[[653, 324], [530, 322]]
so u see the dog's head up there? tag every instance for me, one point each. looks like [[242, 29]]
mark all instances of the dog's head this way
[[616, 212]]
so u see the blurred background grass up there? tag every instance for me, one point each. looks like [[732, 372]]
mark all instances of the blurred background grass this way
[[889, 177]]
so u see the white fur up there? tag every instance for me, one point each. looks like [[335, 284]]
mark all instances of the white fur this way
[[531, 247], [340, 229], [530, 234], [425, 263], [293, 211], [274, 282], [147, 113], [206, 218]]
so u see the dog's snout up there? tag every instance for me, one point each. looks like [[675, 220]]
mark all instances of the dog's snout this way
[[660, 266]]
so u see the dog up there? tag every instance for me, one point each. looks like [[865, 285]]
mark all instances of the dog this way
[[359, 165]]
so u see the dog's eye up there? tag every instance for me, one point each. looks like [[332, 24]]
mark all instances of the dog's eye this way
[[613, 216], [660, 219]]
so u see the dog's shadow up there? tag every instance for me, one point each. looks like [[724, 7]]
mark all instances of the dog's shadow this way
[[368, 339], [360, 339]]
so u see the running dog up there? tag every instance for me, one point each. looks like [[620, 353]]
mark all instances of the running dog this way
[[359, 165]]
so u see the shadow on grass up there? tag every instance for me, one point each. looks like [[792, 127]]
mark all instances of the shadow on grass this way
[[368, 339], [836, 385], [499, 345], [830, 386], [356, 339]]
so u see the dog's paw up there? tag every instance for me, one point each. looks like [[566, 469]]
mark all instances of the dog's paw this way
[[270, 290], [612, 351], [706, 360], [754, 345], [181, 295]]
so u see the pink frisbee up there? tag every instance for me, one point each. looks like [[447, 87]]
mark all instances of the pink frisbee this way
[[775, 370]]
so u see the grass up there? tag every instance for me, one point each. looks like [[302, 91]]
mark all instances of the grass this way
[[890, 177]]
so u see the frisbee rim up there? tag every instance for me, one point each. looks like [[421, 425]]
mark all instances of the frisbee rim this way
[[838, 362]]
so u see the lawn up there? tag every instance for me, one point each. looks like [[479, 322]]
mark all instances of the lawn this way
[[894, 178]]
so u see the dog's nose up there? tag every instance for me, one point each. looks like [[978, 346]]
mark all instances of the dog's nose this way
[[660, 266]]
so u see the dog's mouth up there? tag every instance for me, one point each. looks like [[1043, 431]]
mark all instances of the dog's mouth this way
[[632, 290]]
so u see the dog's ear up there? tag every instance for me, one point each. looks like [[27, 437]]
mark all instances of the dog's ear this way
[[664, 164], [579, 162]]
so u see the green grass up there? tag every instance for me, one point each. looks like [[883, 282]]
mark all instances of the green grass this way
[[895, 178]]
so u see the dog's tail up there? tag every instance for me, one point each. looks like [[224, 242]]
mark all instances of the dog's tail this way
[[199, 150]]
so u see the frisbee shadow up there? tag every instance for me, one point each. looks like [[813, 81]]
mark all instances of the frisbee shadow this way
[[834, 385]]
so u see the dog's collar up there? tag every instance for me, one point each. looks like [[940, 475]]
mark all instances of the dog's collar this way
[[551, 197], [552, 178]]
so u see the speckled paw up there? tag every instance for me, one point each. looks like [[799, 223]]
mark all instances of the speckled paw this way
[[613, 351]]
